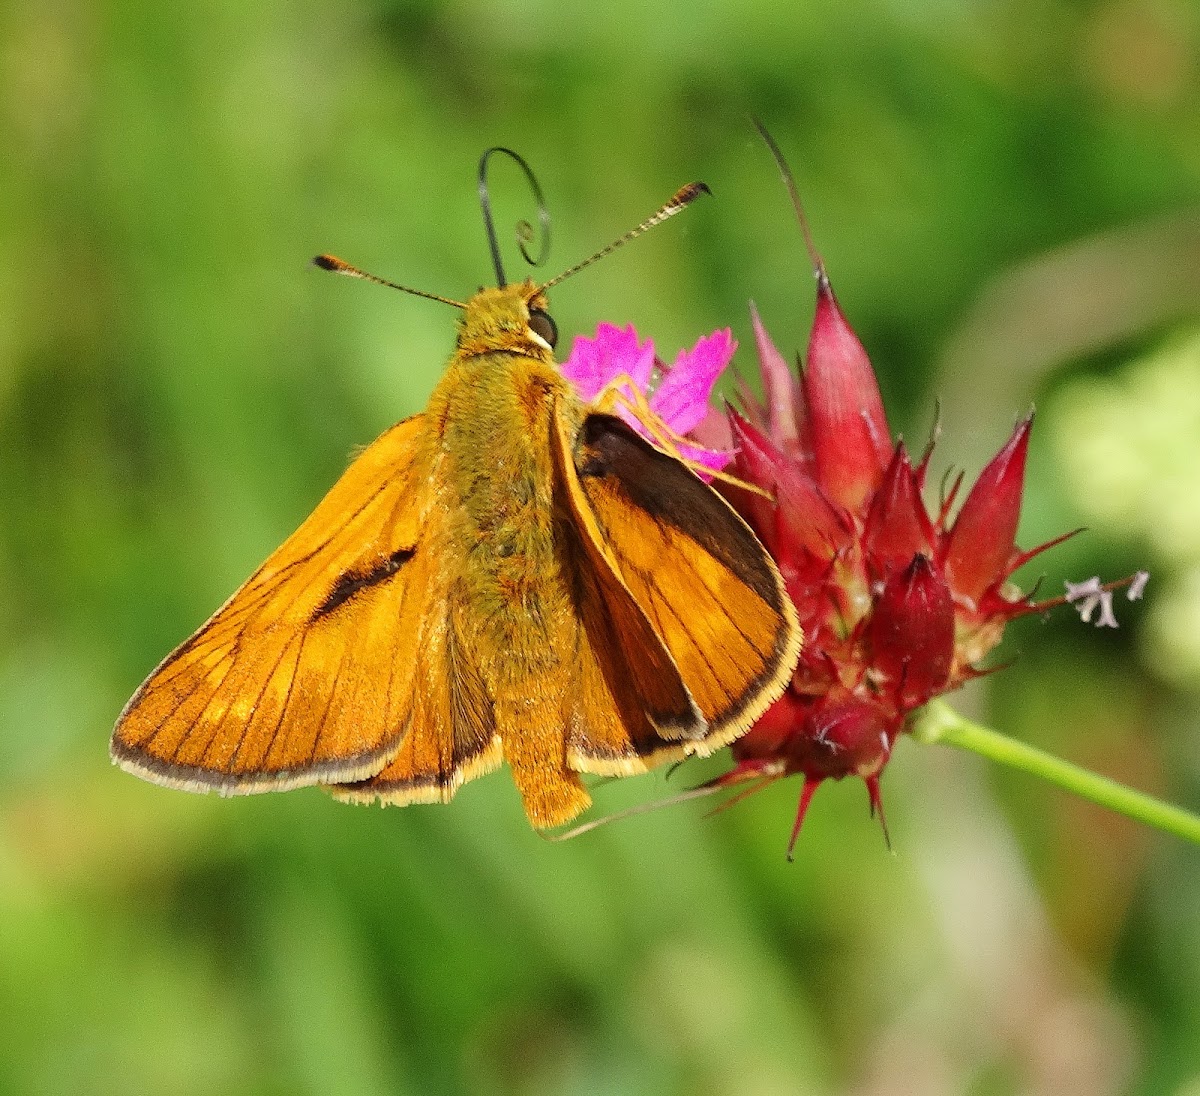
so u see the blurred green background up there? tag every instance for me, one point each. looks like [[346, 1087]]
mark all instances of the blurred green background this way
[[1008, 198]]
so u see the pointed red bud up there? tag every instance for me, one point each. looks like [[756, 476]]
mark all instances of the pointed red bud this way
[[981, 543], [911, 633], [758, 462], [897, 526], [751, 405], [782, 398], [876, 795], [806, 517], [841, 738], [850, 438], [807, 790]]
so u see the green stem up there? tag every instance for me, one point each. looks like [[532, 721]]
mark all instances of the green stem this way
[[938, 722]]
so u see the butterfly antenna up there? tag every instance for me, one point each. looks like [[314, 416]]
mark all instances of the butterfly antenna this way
[[524, 228], [338, 266], [680, 200], [790, 182]]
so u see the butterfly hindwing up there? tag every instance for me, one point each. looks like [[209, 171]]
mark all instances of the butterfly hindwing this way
[[619, 725], [306, 674], [450, 736]]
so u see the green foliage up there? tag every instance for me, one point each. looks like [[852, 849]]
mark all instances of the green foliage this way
[[1006, 196]]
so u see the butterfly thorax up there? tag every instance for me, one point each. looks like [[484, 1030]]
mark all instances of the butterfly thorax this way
[[493, 414]]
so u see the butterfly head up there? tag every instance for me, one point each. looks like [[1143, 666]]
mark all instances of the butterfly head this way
[[510, 317]]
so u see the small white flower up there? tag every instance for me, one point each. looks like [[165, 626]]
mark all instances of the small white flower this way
[[1086, 597], [1080, 590], [1138, 586]]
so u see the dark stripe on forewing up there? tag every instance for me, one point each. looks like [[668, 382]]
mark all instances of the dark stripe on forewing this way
[[354, 582]]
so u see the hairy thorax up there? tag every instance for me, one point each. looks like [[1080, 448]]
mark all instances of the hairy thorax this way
[[496, 425]]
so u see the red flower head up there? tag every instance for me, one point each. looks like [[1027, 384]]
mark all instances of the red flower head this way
[[898, 604]]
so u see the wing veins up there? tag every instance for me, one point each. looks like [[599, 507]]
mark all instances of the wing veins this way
[[218, 723], [312, 756], [145, 742], [659, 597], [664, 532], [283, 710], [330, 537], [766, 655]]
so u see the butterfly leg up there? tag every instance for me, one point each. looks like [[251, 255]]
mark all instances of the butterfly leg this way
[[622, 391]]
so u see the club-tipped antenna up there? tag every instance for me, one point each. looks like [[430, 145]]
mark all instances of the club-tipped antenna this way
[[790, 182], [340, 266], [680, 200], [524, 229]]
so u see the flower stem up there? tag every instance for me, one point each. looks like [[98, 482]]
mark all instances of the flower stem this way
[[938, 722]]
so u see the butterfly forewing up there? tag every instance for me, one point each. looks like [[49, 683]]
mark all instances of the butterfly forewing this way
[[306, 674], [696, 571]]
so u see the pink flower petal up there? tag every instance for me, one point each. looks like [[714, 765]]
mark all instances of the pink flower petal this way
[[716, 459], [614, 352], [714, 432], [681, 400]]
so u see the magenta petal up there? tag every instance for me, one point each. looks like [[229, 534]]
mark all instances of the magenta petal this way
[[716, 459], [714, 432], [614, 352], [681, 400]]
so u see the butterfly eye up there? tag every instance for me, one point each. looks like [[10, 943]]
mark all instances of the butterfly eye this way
[[543, 327]]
